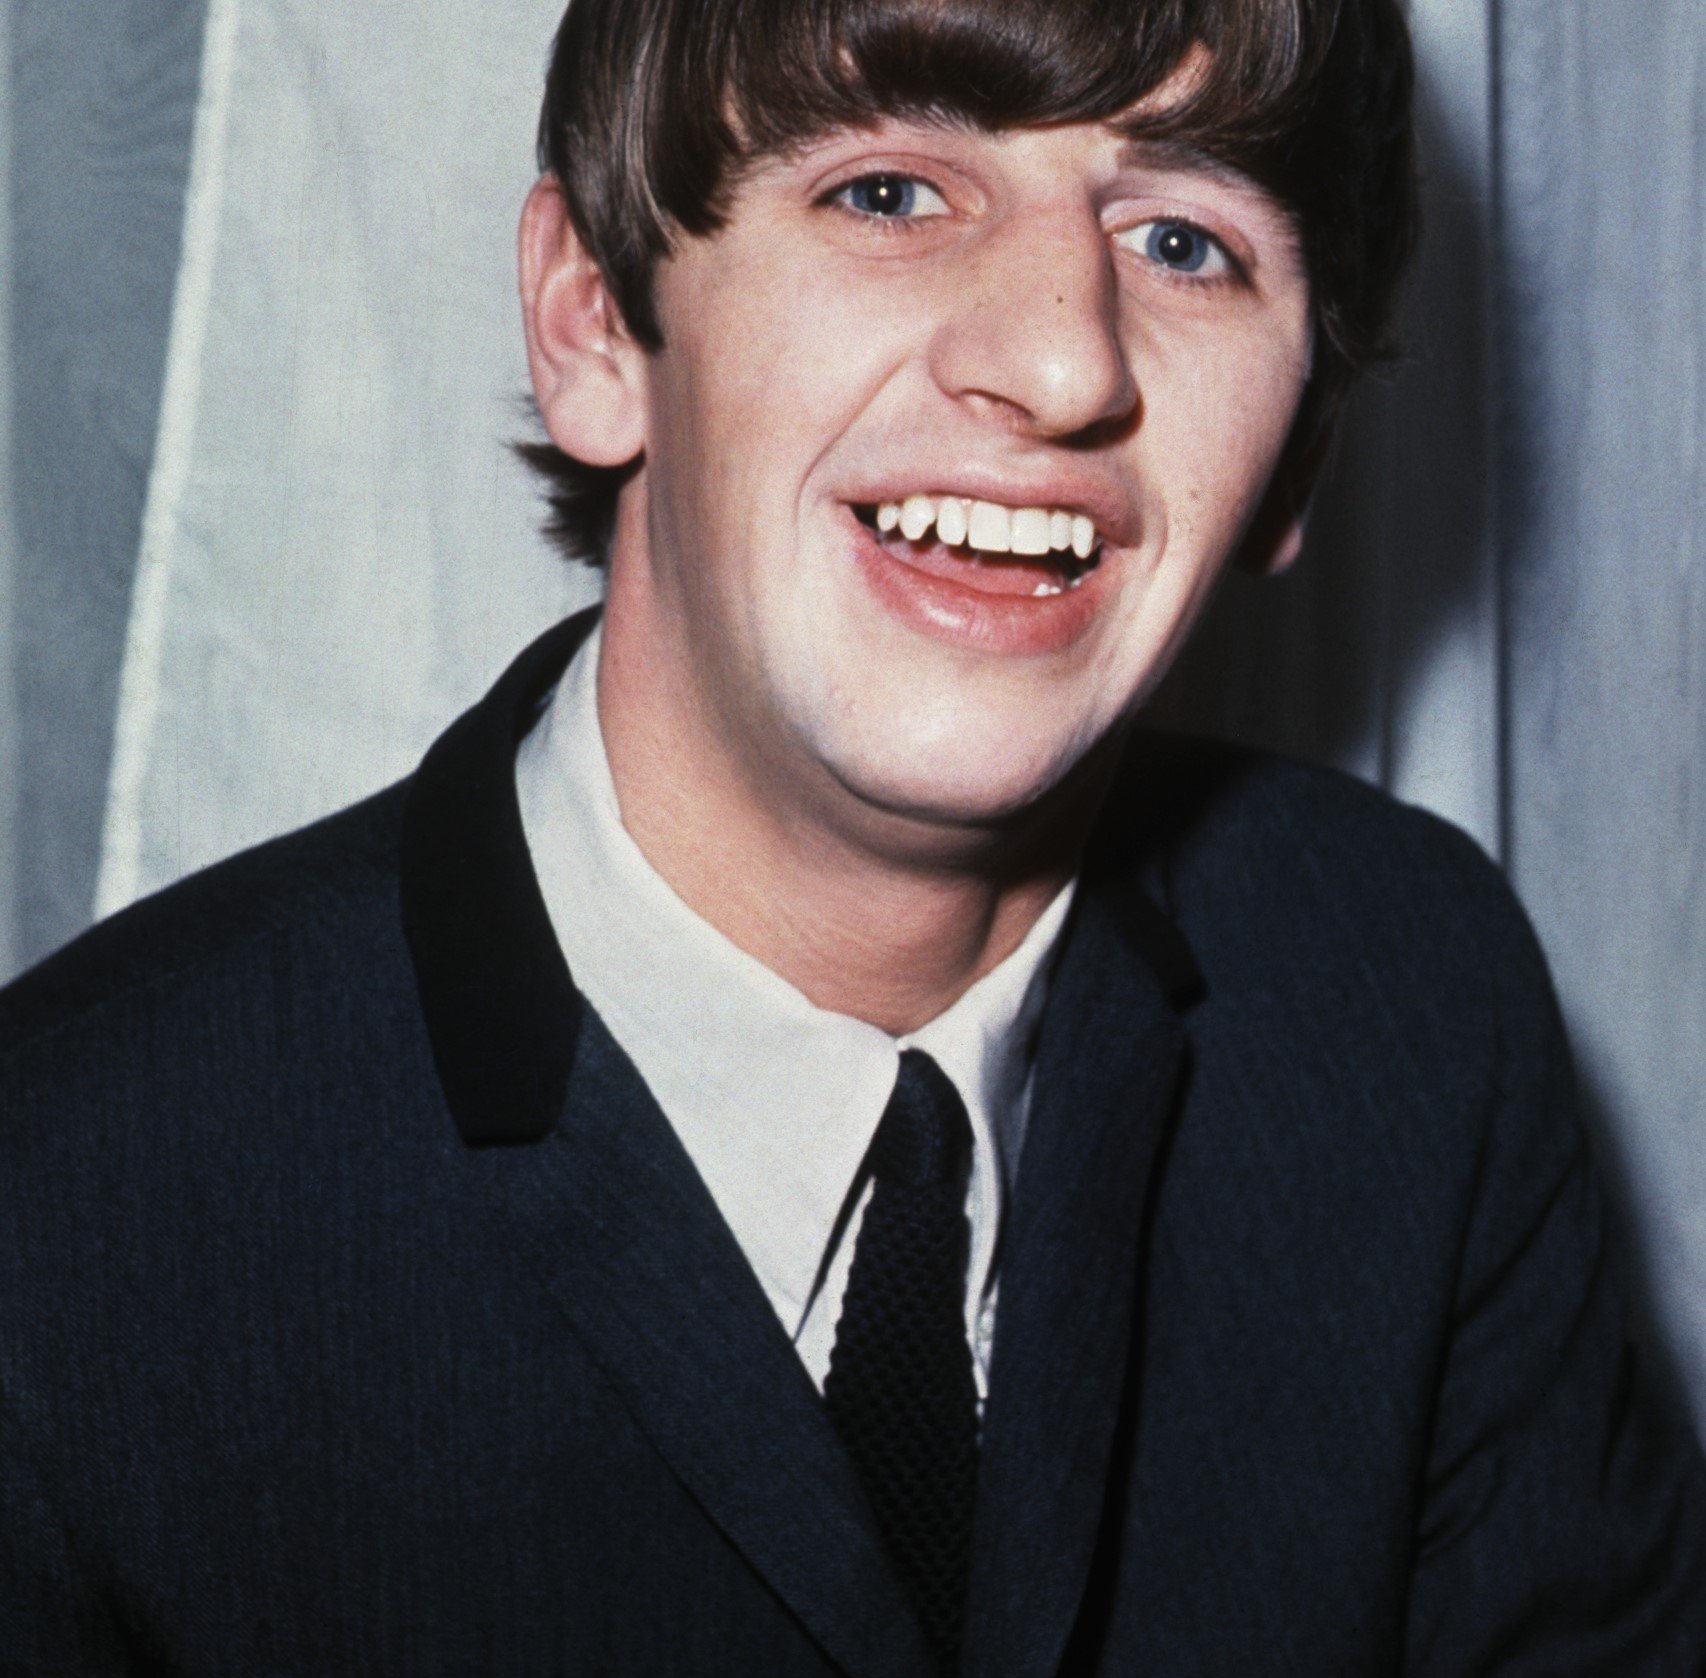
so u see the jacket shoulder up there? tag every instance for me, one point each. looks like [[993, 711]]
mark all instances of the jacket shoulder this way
[[1248, 849], [311, 880]]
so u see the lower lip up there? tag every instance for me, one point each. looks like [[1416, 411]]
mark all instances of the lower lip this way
[[978, 618]]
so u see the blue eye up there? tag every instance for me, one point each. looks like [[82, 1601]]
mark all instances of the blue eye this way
[[892, 198], [1180, 247]]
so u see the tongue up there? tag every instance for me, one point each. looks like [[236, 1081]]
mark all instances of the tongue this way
[[990, 573]]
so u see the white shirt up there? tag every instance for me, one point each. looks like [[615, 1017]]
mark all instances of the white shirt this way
[[775, 1099]]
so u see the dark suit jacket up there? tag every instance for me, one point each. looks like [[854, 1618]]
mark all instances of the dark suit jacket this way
[[360, 1313]]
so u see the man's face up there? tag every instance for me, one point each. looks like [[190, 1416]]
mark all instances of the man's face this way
[[1021, 338]]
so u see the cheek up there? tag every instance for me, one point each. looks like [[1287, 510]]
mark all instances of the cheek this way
[[1224, 439], [701, 474], [775, 375]]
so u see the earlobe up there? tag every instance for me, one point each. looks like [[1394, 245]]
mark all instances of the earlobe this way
[[588, 373], [1275, 538], [1278, 551]]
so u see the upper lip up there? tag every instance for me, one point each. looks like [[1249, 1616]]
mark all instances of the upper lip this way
[[1109, 513]]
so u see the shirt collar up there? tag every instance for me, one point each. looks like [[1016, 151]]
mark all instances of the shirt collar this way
[[774, 1098]]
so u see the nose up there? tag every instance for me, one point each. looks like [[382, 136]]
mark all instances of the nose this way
[[1036, 333]]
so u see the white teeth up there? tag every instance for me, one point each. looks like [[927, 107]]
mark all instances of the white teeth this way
[[917, 514], [1030, 527], [988, 527], [1042, 590]]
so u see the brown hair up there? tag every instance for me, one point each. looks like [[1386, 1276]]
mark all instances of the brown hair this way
[[653, 108]]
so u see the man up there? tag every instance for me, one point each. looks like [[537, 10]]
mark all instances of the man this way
[[796, 1143]]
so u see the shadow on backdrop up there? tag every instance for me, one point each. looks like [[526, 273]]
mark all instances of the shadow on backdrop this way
[[1334, 660]]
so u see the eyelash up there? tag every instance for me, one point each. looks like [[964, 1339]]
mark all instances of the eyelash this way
[[1233, 269], [836, 198]]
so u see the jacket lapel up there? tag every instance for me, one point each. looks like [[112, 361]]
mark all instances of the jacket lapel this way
[[631, 1246], [1109, 1062], [604, 1200]]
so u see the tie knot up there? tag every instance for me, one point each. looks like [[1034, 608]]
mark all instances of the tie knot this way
[[924, 1137]]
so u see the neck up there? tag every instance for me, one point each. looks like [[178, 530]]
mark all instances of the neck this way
[[885, 918], [883, 943]]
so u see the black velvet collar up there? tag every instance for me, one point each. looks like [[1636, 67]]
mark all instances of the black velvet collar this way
[[501, 1009]]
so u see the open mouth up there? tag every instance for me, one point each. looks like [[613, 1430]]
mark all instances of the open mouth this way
[[1034, 552]]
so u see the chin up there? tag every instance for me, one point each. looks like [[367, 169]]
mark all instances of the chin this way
[[914, 730], [960, 783]]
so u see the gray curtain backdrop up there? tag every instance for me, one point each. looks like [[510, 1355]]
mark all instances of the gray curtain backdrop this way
[[1502, 614], [9, 694], [100, 100], [1601, 309]]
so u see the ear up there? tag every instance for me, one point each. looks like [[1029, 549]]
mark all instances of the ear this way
[[588, 373], [1275, 537]]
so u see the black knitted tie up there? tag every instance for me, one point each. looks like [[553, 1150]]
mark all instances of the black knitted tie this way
[[900, 1388]]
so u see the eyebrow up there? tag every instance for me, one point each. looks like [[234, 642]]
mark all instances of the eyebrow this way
[[1182, 155], [1173, 154]]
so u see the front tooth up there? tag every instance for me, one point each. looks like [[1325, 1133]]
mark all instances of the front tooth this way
[[1060, 531], [1030, 531], [888, 516], [917, 514], [990, 528], [1043, 589], [951, 521], [1083, 536]]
